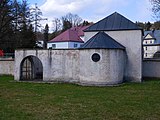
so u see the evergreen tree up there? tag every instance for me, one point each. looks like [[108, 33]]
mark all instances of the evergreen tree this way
[[32, 38], [148, 25], [6, 18], [140, 24], [46, 30], [70, 20], [85, 23], [16, 29], [66, 25], [27, 37], [157, 25]]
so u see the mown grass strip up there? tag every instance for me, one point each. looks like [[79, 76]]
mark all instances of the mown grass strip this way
[[35, 101]]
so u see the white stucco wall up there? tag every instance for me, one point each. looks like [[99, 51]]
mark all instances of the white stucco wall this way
[[151, 68], [109, 70], [6, 67], [71, 44], [77, 66], [149, 51], [58, 45], [132, 40], [61, 45]]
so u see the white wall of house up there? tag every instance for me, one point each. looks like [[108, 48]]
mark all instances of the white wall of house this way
[[61, 45], [58, 45], [132, 40], [149, 51], [74, 44]]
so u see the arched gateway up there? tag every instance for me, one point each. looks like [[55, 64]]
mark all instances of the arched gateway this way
[[31, 69]]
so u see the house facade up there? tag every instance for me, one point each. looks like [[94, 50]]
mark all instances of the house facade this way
[[71, 38], [151, 43]]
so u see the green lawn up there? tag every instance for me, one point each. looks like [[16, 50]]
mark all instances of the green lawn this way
[[40, 101]]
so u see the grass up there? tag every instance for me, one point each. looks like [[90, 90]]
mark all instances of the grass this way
[[37, 101]]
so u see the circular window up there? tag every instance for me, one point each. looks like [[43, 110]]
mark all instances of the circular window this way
[[95, 57]]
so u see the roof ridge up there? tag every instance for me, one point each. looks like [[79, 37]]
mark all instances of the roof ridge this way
[[115, 21], [68, 36]]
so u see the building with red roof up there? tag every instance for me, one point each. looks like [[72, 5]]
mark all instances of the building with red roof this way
[[71, 38]]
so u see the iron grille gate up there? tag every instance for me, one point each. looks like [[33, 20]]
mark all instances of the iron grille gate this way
[[27, 71]]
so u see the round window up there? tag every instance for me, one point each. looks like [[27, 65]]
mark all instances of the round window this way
[[95, 57]]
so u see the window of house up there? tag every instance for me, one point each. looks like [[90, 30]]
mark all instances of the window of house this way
[[150, 41], [146, 42], [146, 54], [53, 46], [96, 57], [75, 45], [146, 48]]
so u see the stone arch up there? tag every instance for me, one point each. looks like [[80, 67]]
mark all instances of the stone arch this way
[[31, 69]]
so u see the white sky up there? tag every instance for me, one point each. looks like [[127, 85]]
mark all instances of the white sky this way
[[95, 10]]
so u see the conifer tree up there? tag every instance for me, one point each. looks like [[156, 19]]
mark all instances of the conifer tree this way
[[46, 30]]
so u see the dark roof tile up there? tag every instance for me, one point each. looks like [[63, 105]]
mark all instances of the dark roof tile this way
[[114, 21], [71, 35], [102, 40]]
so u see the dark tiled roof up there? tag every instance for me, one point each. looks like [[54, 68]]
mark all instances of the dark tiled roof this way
[[71, 35], [102, 40], [114, 21], [155, 34]]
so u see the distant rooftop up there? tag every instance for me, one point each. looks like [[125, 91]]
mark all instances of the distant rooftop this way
[[114, 21], [71, 35], [102, 40], [155, 34]]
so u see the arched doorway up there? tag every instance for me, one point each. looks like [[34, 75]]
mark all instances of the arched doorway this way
[[31, 69]]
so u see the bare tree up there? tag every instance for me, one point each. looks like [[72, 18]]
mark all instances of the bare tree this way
[[36, 17], [74, 19], [57, 25], [65, 22], [156, 8]]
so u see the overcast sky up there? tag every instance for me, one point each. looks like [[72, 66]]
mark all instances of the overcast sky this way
[[94, 10]]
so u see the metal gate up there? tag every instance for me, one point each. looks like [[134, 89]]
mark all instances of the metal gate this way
[[27, 69], [31, 69]]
